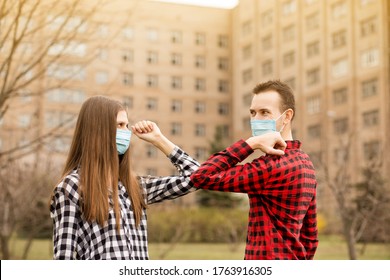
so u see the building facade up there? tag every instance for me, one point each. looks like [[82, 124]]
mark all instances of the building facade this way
[[191, 69]]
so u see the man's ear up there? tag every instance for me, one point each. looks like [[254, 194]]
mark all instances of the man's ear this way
[[289, 115]]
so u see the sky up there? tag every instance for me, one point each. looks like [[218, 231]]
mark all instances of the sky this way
[[209, 3]]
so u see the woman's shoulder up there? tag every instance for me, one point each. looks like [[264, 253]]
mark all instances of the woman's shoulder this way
[[70, 185]]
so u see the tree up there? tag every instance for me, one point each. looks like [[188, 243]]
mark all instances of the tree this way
[[360, 203], [39, 41]]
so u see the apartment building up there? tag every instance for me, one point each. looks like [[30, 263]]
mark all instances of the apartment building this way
[[191, 69], [335, 56]]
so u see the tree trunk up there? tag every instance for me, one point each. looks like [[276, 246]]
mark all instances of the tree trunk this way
[[351, 243], [4, 248]]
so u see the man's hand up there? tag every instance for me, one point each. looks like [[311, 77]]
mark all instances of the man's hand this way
[[270, 143]]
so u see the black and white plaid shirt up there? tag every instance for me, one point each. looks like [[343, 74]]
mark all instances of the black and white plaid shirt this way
[[76, 238]]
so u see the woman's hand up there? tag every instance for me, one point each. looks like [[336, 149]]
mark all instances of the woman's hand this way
[[150, 132]]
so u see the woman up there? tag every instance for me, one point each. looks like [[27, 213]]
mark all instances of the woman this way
[[98, 208]]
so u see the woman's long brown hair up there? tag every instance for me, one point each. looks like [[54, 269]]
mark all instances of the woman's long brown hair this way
[[93, 151]]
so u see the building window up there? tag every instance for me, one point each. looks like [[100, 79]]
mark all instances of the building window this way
[[370, 58], [176, 128], [151, 104], [102, 30], [223, 109], [151, 152], [313, 105], [176, 82], [369, 88], [366, 2], [61, 95], [247, 99], [24, 120], [127, 55], [223, 41], [247, 52], [246, 28], [339, 10], [340, 68], [291, 82], [223, 86], [176, 37], [339, 39], [102, 54], [200, 129], [128, 33], [223, 63], [152, 81], [267, 43], [340, 156], [313, 76], [267, 67], [371, 150], [367, 27], [289, 59], [176, 106], [371, 118], [267, 18], [340, 96], [201, 153], [289, 7], [314, 131], [176, 59], [200, 107], [72, 48], [127, 79], [312, 22], [128, 102], [313, 49], [247, 76], [340, 126], [200, 39], [289, 33], [200, 61], [224, 130], [66, 72], [101, 77], [200, 84], [152, 57], [152, 35], [316, 158], [246, 124]]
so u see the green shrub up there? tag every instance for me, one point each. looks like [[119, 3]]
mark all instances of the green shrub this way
[[197, 225]]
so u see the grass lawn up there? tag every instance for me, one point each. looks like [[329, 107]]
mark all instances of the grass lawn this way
[[330, 248]]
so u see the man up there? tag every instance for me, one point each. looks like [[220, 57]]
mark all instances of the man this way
[[281, 189]]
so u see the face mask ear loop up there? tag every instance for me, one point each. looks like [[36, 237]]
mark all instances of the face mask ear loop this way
[[280, 131]]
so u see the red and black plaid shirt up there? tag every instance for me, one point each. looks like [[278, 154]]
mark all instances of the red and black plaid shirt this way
[[282, 195]]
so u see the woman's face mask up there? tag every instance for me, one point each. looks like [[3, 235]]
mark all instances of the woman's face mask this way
[[122, 140]]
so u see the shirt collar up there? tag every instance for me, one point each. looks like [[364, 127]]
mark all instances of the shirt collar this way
[[293, 144]]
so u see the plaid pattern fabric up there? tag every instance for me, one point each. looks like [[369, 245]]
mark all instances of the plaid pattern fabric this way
[[76, 238], [282, 196]]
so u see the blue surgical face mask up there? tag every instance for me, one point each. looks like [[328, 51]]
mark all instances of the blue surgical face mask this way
[[122, 140], [260, 127]]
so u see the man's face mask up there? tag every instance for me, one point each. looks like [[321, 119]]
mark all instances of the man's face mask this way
[[260, 127], [122, 140]]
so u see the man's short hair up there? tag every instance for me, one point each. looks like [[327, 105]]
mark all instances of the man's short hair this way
[[285, 92]]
